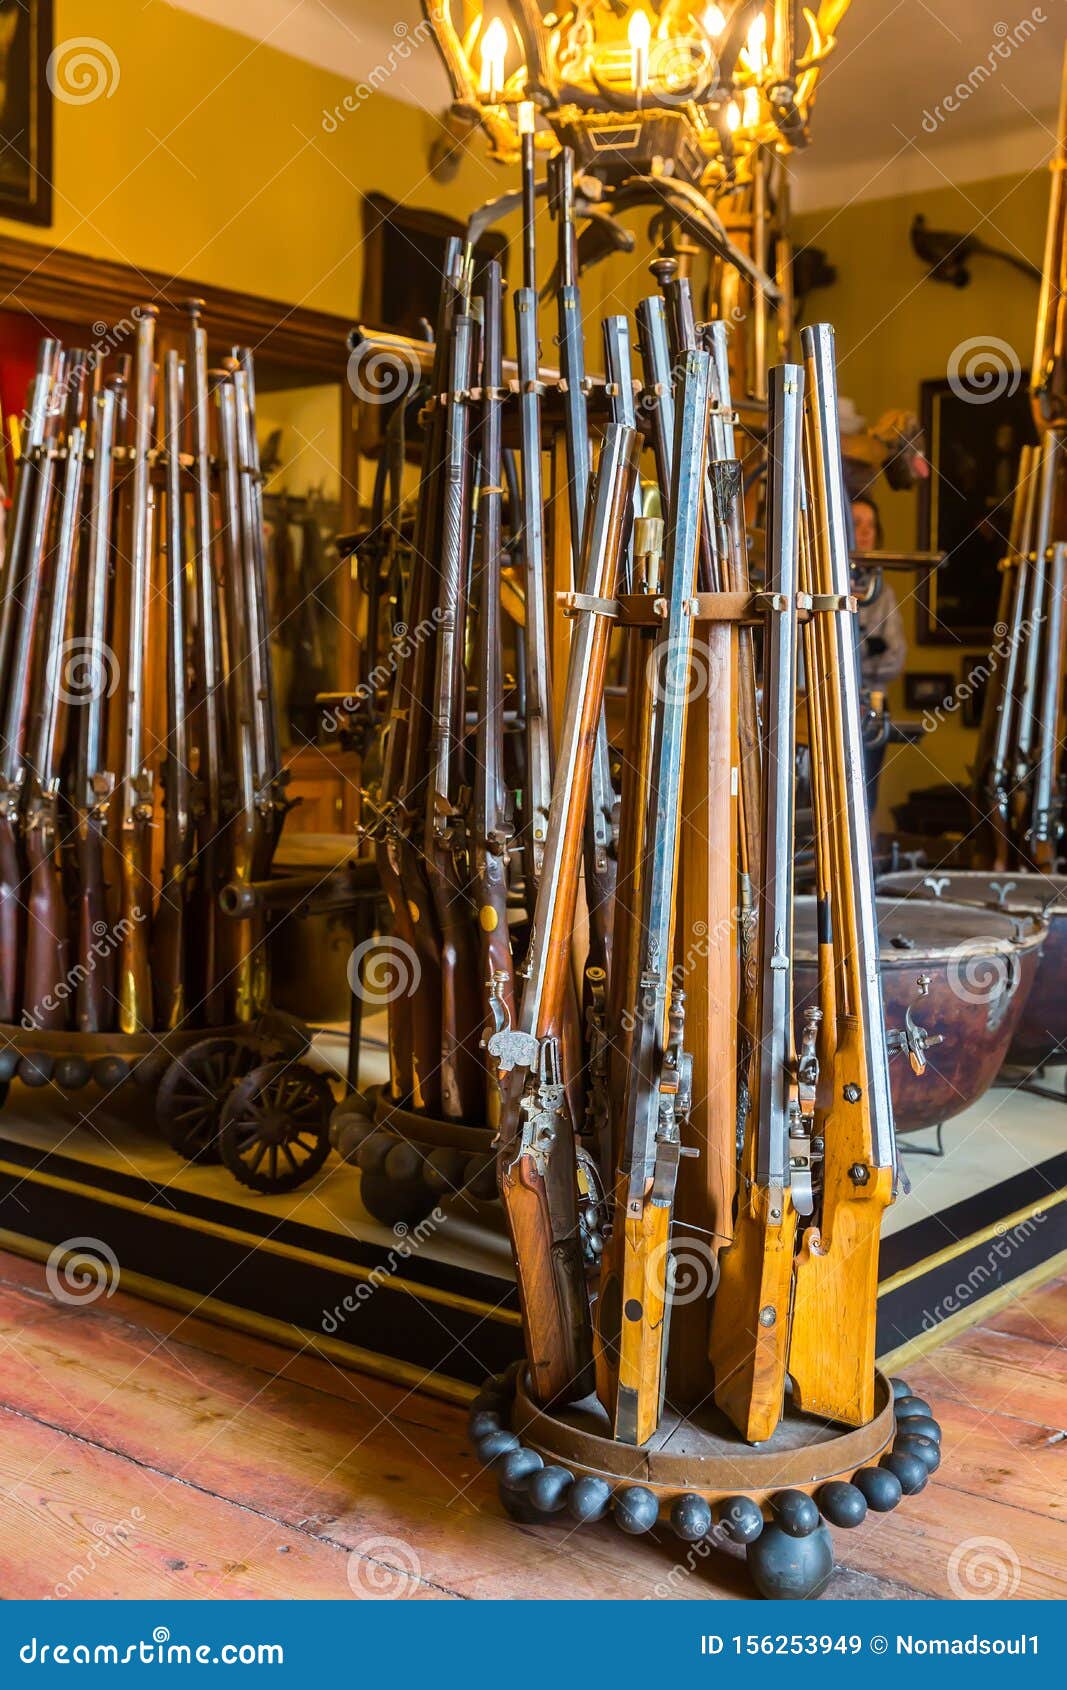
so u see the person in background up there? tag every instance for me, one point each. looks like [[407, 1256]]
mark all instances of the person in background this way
[[883, 649], [883, 646]]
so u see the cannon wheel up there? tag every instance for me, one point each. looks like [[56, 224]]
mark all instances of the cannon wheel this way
[[275, 1129], [192, 1092]]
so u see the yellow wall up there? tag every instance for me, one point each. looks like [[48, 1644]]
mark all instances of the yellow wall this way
[[209, 159], [895, 330]]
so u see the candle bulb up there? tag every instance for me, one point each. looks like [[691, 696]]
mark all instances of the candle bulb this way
[[714, 22], [494, 47], [639, 34], [526, 117], [755, 46]]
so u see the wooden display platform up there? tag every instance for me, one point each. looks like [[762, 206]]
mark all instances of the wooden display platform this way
[[434, 1306]]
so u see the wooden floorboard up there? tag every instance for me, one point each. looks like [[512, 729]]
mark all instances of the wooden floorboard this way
[[148, 1453]]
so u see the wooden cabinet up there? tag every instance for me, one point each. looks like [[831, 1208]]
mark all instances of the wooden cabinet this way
[[327, 784]]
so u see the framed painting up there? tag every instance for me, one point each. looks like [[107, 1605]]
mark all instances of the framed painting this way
[[965, 506], [25, 110]]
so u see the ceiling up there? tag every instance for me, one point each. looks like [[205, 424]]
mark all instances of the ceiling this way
[[918, 90]]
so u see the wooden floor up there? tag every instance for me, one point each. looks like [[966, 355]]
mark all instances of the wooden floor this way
[[147, 1454]]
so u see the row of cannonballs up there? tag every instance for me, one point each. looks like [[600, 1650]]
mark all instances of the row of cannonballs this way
[[532, 1493], [403, 1180]]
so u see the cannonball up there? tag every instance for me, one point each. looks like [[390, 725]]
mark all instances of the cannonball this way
[[495, 1444], [110, 1071], [72, 1072], [9, 1061], [906, 1408], [481, 1423], [740, 1518], [881, 1489], [443, 1171], [549, 1489], [372, 1152], [920, 1426], [795, 1512], [517, 1465], [690, 1518], [402, 1162], [35, 1068], [784, 1567], [636, 1509], [589, 1500], [925, 1448], [908, 1469], [843, 1504], [347, 1134], [900, 1389], [517, 1505]]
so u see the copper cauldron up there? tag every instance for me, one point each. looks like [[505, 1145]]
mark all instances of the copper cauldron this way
[[963, 975], [1040, 1035]]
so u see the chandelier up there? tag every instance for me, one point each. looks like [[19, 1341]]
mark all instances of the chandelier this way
[[655, 87]]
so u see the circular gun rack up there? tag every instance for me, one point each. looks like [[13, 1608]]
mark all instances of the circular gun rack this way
[[703, 1482]]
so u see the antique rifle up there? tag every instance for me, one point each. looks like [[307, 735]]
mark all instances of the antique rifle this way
[[207, 795], [1043, 837], [271, 778], [47, 920], [537, 714], [246, 961], [94, 786], [1038, 609], [750, 1316], [1048, 386], [491, 810], [536, 1159], [444, 842], [22, 505], [678, 294], [25, 577], [836, 1275], [600, 865], [735, 578], [993, 762], [414, 1030], [658, 384], [135, 800], [633, 1307], [171, 933]]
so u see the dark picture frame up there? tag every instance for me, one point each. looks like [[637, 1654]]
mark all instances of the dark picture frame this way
[[965, 504], [926, 690], [26, 37]]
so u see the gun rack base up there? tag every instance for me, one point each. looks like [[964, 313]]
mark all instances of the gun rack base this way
[[410, 1161], [700, 1480]]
